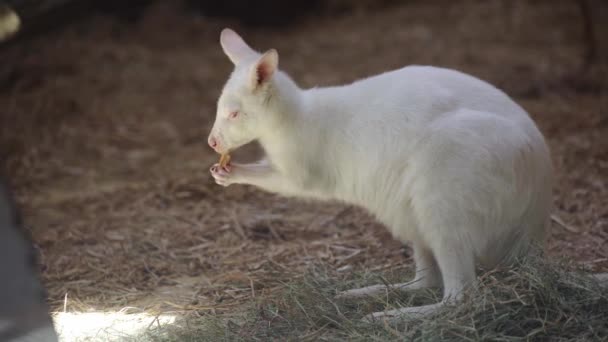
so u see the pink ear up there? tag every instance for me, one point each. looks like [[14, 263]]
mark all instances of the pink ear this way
[[264, 68], [234, 46]]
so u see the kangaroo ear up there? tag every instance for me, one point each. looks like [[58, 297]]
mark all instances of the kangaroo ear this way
[[234, 46], [264, 68]]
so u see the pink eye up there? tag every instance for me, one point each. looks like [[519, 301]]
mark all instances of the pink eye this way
[[233, 115]]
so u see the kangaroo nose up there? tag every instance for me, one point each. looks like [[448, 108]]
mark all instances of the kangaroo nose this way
[[212, 142]]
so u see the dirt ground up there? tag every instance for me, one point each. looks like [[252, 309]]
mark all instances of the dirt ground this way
[[103, 125]]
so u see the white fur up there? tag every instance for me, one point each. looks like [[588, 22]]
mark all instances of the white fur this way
[[443, 159]]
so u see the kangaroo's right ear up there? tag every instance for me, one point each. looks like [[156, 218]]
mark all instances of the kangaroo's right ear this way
[[234, 46]]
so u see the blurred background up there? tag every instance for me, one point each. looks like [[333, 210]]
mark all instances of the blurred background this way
[[105, 107]]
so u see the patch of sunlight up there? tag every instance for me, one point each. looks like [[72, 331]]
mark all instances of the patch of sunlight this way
[[107, 326]]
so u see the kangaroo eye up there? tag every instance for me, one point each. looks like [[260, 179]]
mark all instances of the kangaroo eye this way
[[233, 115]]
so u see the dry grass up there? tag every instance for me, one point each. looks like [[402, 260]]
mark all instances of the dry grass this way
[[103, 126], [536, 301]]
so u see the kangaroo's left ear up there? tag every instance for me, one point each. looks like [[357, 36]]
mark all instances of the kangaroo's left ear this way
[[235, 47], [264, 68]]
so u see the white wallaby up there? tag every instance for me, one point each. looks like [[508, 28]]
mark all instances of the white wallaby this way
[[446, 161]]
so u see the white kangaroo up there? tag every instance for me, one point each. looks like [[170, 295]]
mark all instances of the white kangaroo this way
[[446, 161]]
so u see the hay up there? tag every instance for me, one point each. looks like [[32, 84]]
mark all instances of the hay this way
[[537, 300]]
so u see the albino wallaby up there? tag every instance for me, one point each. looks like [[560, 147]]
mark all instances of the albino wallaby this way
[[446, 161]]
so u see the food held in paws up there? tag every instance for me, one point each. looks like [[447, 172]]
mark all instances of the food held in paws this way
[[224, 159]]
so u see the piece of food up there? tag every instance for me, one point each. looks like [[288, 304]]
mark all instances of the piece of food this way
[[224, 159]]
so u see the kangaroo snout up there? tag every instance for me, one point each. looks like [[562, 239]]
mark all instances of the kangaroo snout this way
[[213, 142]]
